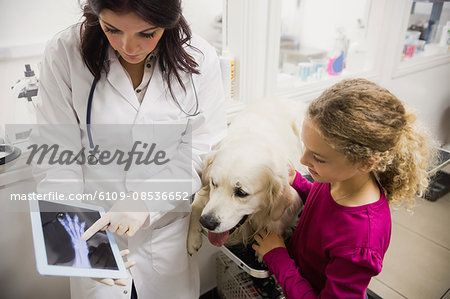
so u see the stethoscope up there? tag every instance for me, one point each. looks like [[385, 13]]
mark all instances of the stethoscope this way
[[91, 158]]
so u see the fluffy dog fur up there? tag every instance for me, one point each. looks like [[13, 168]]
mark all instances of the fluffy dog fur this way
[[247, 174]]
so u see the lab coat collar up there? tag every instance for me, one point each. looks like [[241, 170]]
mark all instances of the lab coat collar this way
[[117, 77], [155, 88]]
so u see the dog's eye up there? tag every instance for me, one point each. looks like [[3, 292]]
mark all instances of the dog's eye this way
[[240, 193], [213, 184]]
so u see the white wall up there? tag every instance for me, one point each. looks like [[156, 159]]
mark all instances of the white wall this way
[[201, 15], [427, 92], [28, 22], [316, 27]]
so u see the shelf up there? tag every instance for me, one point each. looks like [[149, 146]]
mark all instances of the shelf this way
[[293, 86], [417, 64]]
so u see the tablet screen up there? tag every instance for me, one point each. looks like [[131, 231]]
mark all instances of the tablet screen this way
[[57, 230], [62, 236]]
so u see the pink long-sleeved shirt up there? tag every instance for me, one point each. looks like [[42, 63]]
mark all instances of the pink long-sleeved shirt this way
[[335, 250]]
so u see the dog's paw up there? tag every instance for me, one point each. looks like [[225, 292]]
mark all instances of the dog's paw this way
[[194, 240], [259, 258]]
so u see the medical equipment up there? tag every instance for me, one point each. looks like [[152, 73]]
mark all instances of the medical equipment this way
[[57, 228], [196, 112], [23, 92], [8, 153], [26, 87], [31, 87], [92, 159]]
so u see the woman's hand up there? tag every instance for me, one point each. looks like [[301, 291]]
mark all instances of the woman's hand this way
[[266, 241], [118, 220]]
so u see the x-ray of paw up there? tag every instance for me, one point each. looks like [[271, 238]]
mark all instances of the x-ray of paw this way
[[63, 244]]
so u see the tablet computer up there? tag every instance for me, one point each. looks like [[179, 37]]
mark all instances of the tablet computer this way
[[57, 229]]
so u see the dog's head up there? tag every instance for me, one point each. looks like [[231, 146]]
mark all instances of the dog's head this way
[[243, 184]]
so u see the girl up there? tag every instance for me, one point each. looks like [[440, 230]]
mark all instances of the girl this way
[[363, 153], [135, 62]]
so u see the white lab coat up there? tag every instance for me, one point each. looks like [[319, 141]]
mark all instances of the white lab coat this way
[[163, 269]]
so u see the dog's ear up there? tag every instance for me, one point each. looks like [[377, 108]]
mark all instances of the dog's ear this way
[[209, 159], [279, 198]]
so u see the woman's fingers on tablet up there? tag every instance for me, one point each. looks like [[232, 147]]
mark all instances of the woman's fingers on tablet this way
[[121, 282], [129, 264], [131, 231], [98, 225], [113, 226], [111, 282], [121, 229], [107, 281]]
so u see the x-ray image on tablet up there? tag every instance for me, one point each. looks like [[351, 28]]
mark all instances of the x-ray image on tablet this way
[[57, 230]]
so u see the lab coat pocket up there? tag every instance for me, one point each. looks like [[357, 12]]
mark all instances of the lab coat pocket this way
[[168, 249]]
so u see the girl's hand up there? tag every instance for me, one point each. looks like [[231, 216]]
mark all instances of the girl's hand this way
[[266, 241], [291, 173]]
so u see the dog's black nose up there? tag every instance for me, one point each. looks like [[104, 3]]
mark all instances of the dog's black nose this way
[[209, 222]]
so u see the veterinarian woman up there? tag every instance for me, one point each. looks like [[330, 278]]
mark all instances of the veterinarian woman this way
[[135, 62]]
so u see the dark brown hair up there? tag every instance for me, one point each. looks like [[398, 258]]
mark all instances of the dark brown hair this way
[[165, 14]]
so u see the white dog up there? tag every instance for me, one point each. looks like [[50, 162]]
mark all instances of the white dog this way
[[245, 177]]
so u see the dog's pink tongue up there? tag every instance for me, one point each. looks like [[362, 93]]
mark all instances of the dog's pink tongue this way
[[218, 239]]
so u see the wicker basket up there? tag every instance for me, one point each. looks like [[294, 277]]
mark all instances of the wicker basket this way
[[233, 282]]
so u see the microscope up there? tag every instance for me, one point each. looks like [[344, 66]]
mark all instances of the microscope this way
[[16, 134], [30, 88]]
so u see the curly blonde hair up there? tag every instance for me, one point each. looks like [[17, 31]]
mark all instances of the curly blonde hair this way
[[368, 124]]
